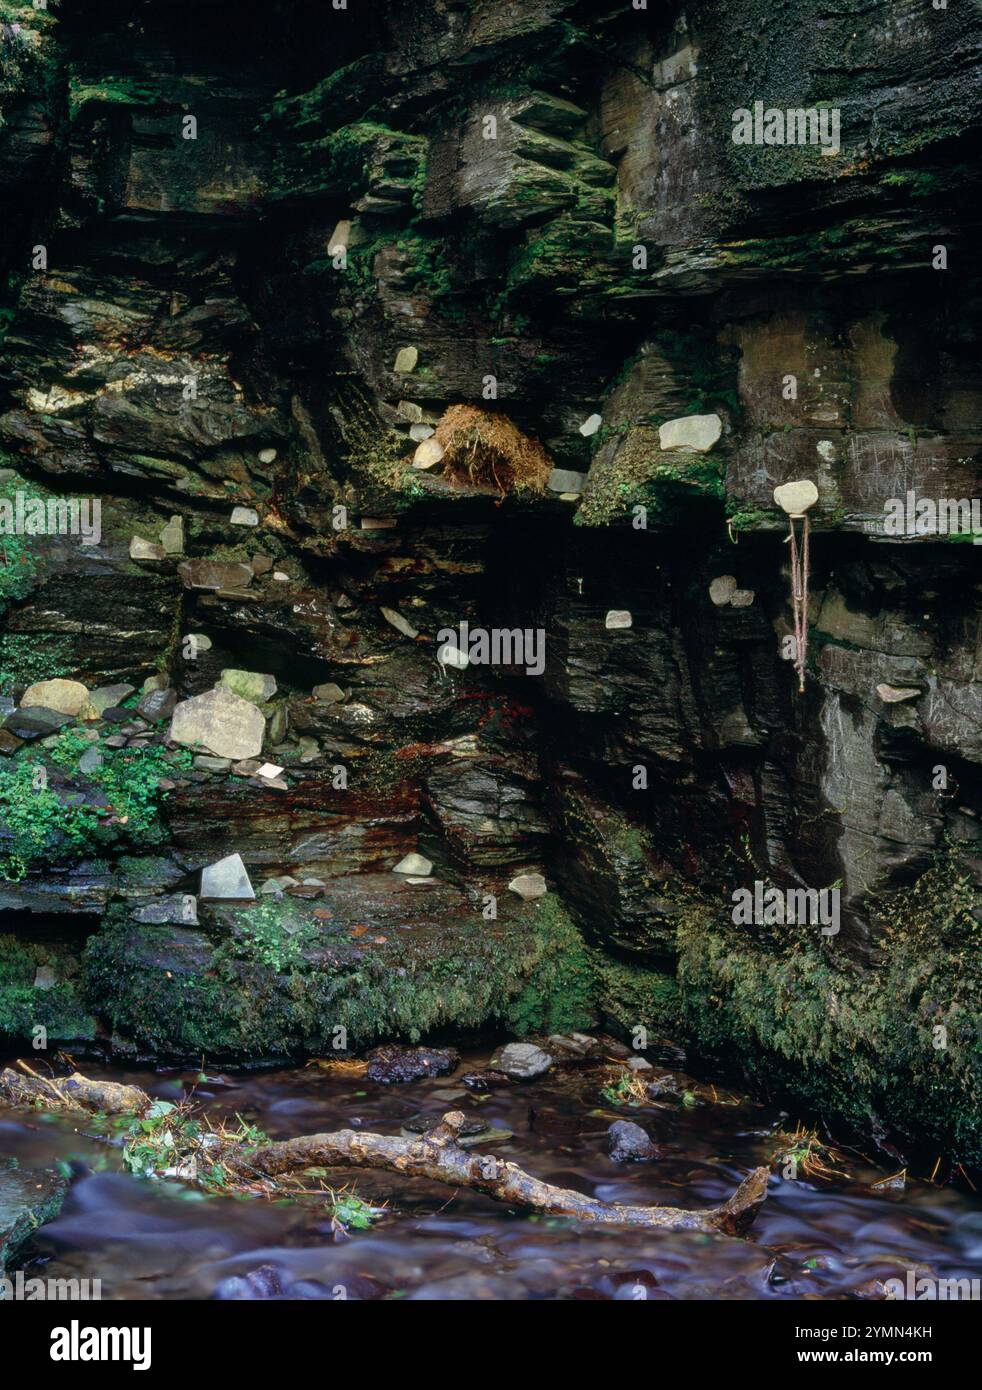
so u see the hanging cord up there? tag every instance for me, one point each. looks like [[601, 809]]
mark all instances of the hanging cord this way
[[799, 596]]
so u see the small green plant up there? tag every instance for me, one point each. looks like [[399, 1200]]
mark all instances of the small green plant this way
[[158, 1140], [628, 1089], [37, 817], [349, 1212], [273, 936], [169, 1140]]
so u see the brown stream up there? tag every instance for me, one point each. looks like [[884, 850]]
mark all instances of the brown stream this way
[[160, 1240]]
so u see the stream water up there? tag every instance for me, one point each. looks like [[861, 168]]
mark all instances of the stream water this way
[[160, 1240]]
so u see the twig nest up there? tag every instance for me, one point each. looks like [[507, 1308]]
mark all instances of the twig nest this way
[[795, 498], [429, 453]]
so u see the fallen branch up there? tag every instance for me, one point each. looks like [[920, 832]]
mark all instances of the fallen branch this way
[[75, 1092], [439, 1157]]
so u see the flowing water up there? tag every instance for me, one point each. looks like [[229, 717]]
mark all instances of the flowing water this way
[[160, 1240]]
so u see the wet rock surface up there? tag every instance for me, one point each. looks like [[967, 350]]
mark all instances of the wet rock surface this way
[[628, 1143], [522, 1061], [394, 1066], [28, 1198]]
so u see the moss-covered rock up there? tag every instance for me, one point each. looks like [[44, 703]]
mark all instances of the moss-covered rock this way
[[895, 1044], [275, 979], [39, 989], [27, 1201]]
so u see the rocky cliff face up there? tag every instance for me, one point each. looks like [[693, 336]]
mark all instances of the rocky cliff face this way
[[252, 260]]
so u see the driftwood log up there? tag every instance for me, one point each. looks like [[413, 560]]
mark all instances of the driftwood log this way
[[440, 1158], [75, 1092]]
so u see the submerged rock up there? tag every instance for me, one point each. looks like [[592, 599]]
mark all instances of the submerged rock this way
[[522, 1061], [397, 1065], [628, 1143]]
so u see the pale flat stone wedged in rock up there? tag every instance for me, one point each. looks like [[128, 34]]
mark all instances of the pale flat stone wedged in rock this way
[[896, 694], [66, 697], [172, 536], [226, 879], [406, 359], [329, 693], [449, 655], [529, 886], [742, 598], [396, 620], [221, 722], [696, 432], [428, 454], [566, 480], [722, 589], [255, 686], [214, 574], [591, 424], [141, 549], [618, 619], [416, 864], [339, 238], [795, 498], [244, 516]]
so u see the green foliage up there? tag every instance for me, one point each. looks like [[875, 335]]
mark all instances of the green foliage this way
[[265, 990], [18, 567], [24, 1007], [170, 1138], [274, 934], [26, 657], [18, 556], [853, 1041], [38, 818], [624, 1091], [349, 1212]]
